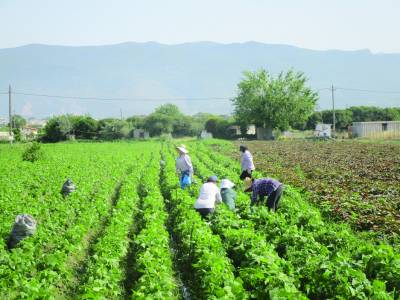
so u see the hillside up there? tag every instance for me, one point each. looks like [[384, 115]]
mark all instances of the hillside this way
[[204, 69]]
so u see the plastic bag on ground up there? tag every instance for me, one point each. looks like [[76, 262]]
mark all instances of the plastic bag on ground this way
[[68, 187], [24, 226]]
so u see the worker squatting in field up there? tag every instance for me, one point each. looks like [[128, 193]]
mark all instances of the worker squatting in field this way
[[210, 194]]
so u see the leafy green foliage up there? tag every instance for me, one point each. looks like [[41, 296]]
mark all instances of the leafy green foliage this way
[[112, 129], [18, 121], [272, 102], [325, 258], [33, 153]]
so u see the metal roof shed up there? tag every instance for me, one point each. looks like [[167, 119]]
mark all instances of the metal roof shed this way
[[377, 129]]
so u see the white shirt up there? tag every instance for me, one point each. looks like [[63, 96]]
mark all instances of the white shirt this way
[[184, 163], [247, 161], [209, 195]]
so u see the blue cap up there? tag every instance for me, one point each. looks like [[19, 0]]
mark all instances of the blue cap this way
[[213, 178]]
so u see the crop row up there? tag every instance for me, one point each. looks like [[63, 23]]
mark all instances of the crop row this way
[[153, 266], [104, 273], [44, 265], [208, 272], [319, 254], [264, 273]]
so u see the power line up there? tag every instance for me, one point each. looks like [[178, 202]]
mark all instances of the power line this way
[[178, 99], [368, 91], [121, 99]]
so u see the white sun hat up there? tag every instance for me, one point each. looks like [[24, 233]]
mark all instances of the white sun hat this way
[[182, 149], [227, 184]]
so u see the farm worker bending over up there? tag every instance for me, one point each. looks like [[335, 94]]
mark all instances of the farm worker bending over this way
[[184, 167], [260, 188], [227, 193], [208, 196], [246, 162]]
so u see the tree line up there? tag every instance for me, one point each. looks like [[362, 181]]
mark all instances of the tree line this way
[[345, 117], [270, 102], [167, 119]]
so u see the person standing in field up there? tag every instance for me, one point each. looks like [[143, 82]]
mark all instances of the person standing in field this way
[[228, 194], [209, 195], [184, 167], [246, 162], [260, 188]]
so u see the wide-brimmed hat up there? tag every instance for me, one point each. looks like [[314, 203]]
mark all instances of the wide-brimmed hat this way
[[182, 149], [227, 184], [247, 183]]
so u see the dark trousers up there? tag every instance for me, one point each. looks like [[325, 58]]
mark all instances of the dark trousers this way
[[204, 212], [274, 197], [245, 174]]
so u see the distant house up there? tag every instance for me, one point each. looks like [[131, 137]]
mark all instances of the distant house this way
[[323, 130], [5, 136], [377, 129], [206, 135], [3, 121], [235, 130], [140, 134], [30, 132], [36, 123]]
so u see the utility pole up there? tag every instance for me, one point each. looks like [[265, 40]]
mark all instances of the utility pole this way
[[120, 110], [333, 112], [9, 114]]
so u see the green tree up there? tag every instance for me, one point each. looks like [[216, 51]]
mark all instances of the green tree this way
[[57, 128], [218, 126], [343, 117], [85, 127], [163, 120], [136, 121], [111, 129], [212, 124], [18, 121], [313, 120], [270, 102]]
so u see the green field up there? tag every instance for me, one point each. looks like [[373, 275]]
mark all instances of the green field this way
[[129, 232]]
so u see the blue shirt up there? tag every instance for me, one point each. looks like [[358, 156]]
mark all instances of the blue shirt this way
[[263, 187]]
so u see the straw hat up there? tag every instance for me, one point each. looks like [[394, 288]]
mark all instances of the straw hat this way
[[247, 182], [182, 149], [227, 184]]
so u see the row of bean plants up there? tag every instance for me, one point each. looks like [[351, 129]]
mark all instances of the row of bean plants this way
[[264, 273], [155, 278], [319, 254], [203, 260], [44, 265], [105, 273]]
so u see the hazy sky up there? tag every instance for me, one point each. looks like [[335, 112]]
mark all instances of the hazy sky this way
[[315, 24]]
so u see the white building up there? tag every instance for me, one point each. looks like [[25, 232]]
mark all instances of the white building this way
[[206, 135], [5, 136], [377, 129], [235, 130], [140, 134], [323, 130]]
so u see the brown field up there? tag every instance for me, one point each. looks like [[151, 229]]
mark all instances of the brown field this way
[[351, 181]]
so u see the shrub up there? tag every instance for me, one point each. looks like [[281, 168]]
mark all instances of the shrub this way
[[33, 152]]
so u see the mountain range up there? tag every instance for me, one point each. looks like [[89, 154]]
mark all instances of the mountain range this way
[[198, 77]]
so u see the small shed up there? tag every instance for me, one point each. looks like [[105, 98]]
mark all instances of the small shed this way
[[376, 129], [323, 130], [235, 130], [5, 136], [206, 135], [140, 134]]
